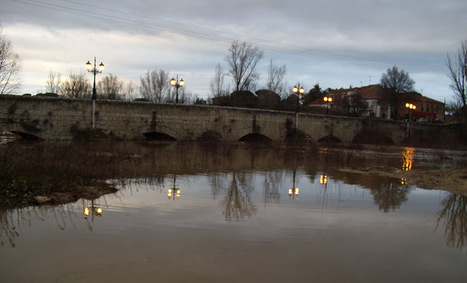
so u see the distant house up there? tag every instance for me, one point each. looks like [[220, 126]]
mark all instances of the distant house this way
[[376, 101]]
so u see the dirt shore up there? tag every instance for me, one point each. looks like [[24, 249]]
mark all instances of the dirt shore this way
[[451, 180]]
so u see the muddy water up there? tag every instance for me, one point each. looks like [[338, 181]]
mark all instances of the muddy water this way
[[228, 215]]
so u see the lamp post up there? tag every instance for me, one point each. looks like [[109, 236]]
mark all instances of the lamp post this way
[[177, 84], [297, 91], [411, 107], [327, 100], [95, 70]]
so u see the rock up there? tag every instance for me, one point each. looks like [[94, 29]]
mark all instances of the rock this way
[[42, 199]]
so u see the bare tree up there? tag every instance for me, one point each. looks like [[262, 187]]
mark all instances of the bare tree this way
[[129, 91], [75, 86], [398, 83], [154, 85], [276, 75], [458, 75], [217, 82], [10, 66], [54, 82], [110, 87], [242, 60]]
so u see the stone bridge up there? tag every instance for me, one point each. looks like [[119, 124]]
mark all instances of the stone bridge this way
[[63, 119]]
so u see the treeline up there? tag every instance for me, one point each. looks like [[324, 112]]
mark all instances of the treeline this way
[[154, 86]]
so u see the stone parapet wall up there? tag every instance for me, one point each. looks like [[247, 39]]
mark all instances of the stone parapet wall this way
[[60, 119]]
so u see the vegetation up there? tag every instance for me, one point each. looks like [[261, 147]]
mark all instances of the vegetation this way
[[10, 66], [155, 85], [458, 74], [398, 82], [242, 60]]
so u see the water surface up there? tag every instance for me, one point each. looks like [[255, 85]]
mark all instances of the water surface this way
[[227, 216]]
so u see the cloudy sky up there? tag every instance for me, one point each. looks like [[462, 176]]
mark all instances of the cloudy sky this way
[[336, 43]]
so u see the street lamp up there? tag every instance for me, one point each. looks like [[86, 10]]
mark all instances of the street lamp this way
[[411, 108], [177, 84], [327, 100], [95, 70], [297, 91]]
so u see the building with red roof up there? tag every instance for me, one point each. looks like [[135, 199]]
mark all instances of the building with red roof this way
[[376, 101]]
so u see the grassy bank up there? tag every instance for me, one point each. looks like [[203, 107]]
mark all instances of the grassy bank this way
[[33, 173]]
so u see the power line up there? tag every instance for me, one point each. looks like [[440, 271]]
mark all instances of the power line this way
[[147, 23]]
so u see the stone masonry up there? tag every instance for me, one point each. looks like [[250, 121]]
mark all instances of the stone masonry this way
[[61, 118]]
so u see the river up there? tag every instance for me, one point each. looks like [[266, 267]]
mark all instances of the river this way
[[241, 214]]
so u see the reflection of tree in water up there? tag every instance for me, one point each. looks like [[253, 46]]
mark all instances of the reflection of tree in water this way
[[8, 229], [237, 201], [390, 196], [12, 220], [454, 216], [271, 186], [217, 183]]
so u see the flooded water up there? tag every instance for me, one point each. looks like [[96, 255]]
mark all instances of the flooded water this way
[[249, 215]]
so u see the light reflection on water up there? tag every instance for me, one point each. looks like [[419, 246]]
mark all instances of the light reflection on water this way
[[245, 226]]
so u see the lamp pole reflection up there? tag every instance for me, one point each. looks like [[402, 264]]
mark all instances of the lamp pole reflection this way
[[407, 162], [323, 179], [174, 192], [294, 191], [93, 210]]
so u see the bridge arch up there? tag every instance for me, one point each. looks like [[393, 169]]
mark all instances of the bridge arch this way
[[27, 136], [157, 136], [257, 138], [330, 139]]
